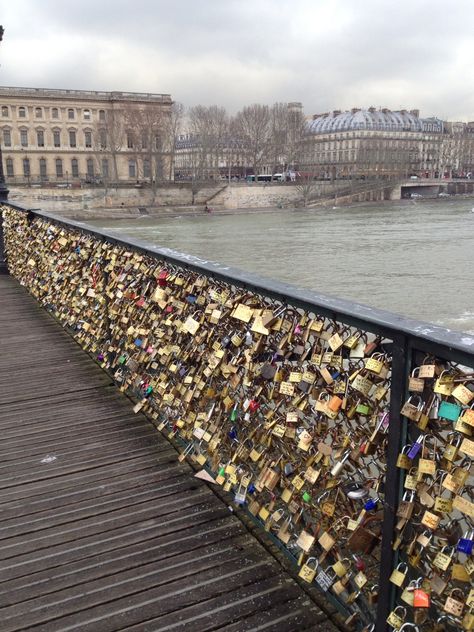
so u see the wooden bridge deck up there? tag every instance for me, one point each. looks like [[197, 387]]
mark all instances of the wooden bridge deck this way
[[101, 528]]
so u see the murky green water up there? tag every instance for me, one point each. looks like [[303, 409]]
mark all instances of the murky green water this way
[[415, 258]]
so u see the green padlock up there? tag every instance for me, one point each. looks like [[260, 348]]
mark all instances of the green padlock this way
[[306, 497], [363, 409], [449, 411]]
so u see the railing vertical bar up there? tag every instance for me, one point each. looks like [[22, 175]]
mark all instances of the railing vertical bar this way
[[3, 261], [401, 362]]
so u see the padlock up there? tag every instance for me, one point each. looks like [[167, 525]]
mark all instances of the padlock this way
[[415, 383], [466, 543], [308, 570], [452, 448], [443, 558], [403, 461], [397, 617], [449, 411], [416, 447], [339, 466], [444, 385], [462, 394], [399, 574], [326, 579], [421, 599], [406, 506], [413, 410], [455, 606]]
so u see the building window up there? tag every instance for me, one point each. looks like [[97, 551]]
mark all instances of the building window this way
[[59, 168], [43, 171], [70, 114], [9, 166], [144, 141], [129, 140], [103, 138], [146, 169], [157, 142], [40, 138], [57, 138], [90, 167], [7, 138], [87, 115], [54, 113], [101, 115], [88, 139], [132, 169], [24, 137], [72, 138], [75, 168], [39, 112], [4, 110], [21, 112], [26, 167], [105, 167]]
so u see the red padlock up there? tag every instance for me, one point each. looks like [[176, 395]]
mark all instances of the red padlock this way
[[253, 406], [421, 599]]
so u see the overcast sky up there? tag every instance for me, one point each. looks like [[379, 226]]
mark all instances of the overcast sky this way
[[328, 54]]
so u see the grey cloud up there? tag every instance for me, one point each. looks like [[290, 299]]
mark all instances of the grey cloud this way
[[325, 53]]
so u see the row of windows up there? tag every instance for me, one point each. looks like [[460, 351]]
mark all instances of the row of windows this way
[[132, 142], [40, 138], [22, 112], [59, 169]]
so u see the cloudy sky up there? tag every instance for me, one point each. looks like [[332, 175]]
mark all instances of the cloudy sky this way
[[328, 54]]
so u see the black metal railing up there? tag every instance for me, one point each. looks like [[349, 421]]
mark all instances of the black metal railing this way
[[344, 430]]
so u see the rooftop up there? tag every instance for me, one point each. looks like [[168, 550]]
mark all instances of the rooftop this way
[[384, 119], [94, 95]]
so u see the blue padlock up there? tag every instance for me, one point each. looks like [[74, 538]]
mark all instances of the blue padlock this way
[[416, 447], [466, 543], [371, 504], [138, 342], [233, 433]]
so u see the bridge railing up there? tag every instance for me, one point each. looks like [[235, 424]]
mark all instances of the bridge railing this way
[[344, 430]]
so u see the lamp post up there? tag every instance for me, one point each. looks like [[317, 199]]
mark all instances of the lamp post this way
[[3, 186]]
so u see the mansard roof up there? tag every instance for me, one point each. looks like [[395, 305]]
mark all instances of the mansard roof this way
[[371, 119]]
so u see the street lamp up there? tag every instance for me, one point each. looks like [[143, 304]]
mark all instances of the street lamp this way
[[3, 186]]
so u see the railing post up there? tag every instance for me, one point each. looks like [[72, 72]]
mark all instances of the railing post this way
[[3, 262], [400, 370]]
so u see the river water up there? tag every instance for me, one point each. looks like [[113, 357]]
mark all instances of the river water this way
[[411, 257]]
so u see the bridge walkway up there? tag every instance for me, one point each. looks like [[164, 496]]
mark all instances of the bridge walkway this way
[[101, 527]]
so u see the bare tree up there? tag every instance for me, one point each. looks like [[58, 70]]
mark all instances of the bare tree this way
[[109, 138], [449, 155], [253, 125], [171, 131], [308, 187], [145, 131], [209, 127]]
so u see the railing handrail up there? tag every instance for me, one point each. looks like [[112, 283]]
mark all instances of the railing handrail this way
[[428, 336]]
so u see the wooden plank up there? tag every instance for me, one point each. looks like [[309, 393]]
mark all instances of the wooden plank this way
[[113, 533]]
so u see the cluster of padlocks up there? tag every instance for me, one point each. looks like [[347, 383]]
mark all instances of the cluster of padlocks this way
[[286, 409], [434, 532]]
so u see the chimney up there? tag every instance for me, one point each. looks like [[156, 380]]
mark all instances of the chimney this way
[[372, 109], [415, 113], [355, 110]]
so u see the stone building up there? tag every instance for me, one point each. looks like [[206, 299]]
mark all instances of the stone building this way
[[69, 136], [372, 143]]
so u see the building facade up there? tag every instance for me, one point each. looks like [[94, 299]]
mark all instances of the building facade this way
[[373, 143], [69, 136]]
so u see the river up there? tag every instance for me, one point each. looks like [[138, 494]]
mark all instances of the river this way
[[411, 257]]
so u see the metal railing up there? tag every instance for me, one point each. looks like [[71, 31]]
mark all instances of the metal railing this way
[[345, 430]]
